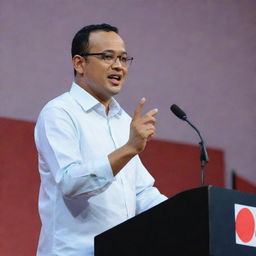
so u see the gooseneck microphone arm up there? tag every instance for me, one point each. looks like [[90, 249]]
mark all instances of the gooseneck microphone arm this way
[[203, 152], [204, 155]]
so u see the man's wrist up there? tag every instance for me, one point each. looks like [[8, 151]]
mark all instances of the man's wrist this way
[[130, 149]]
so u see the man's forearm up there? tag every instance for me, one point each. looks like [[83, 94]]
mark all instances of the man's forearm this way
[[120, 157]]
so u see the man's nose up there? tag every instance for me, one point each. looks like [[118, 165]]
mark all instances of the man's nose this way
[[117, 63]]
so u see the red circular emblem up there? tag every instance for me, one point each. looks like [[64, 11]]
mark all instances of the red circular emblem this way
[[245, 225]]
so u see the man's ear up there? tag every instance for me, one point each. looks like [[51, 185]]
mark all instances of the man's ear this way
[[78, 64]]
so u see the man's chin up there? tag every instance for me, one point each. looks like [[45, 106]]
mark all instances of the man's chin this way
[[115, 90]]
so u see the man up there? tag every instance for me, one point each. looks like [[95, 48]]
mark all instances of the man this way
[[91, 176]]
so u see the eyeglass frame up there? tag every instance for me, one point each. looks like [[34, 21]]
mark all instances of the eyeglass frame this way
[[103, 54]]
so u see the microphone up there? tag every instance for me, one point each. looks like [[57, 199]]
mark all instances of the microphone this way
[[203, 156], [178, 112]]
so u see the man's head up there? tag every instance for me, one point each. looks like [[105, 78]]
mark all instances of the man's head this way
[[100, 61], [80, 43]]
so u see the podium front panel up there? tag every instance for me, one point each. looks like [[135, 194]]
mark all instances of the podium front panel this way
[[199, 221]]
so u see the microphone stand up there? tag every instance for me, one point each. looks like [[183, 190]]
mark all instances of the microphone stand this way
[[203, 153]]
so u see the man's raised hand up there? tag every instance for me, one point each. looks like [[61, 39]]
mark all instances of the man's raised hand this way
[[142, 127]]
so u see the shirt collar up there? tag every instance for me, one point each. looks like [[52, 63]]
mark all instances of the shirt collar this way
[[88, 102]]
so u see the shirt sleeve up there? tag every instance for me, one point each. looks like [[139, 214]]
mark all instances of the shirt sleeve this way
[[147, 195], [57, 141]]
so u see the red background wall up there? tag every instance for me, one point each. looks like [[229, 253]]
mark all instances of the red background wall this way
[[175, 167], [19, 186]]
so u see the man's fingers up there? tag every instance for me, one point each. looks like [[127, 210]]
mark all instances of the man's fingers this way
[[149, 120], [150, 133], [149, 117], [149, 130], [139, 108], [152, 112]]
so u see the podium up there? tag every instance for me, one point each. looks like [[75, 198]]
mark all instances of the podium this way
[[196, 222]]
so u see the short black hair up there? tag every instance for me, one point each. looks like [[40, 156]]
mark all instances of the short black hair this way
[[80, 41]]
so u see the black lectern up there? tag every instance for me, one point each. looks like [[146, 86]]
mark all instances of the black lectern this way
[[196, 222]]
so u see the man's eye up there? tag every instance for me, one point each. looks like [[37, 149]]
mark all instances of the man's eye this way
[[124, 59], [108, 57]]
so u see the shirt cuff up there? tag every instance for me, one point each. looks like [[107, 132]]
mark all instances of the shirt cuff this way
[[102, 168]]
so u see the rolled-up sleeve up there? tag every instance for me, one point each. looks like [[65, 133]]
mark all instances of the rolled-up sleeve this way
[[57, 142]]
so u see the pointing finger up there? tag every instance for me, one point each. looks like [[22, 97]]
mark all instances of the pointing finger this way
[[139, 108]]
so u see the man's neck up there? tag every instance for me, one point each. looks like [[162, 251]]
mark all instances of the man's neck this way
[[104, 102]]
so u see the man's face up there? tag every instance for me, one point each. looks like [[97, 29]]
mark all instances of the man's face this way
[[101, 79]]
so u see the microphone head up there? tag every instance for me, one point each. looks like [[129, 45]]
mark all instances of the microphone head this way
[[178, 112]]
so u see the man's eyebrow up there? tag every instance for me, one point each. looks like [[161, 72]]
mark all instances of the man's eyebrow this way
[[112, 51]]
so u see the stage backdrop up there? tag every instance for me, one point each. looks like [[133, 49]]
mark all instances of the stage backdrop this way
[[198, 54]]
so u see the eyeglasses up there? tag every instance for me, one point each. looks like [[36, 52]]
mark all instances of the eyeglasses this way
[[110, 58]]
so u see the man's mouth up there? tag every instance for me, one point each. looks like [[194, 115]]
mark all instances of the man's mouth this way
[[115, 77]]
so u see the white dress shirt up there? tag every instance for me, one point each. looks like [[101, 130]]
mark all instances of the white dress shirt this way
[[79, 196]]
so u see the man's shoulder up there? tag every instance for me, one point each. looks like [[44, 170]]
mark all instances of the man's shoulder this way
[[63, 101], [59, 101]]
